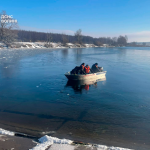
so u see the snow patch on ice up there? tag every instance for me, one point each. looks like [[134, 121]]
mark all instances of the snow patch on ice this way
[[62, 147], [46, 141], [5, 132], [33, 46], [48, 132], [103, 147], [27, 46], [55, 140]]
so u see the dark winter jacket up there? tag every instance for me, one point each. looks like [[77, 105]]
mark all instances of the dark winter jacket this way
[[95, 69]]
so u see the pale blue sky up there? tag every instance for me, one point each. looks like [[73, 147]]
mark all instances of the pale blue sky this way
[[95, 17]]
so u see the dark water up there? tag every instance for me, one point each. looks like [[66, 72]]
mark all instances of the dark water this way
[[35, 97]]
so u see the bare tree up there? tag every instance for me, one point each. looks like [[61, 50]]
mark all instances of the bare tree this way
[[78, 36], [64, 39], [48, 40], [126, 37], [8, 26], [122, 41], [98, 43], [114, 41]]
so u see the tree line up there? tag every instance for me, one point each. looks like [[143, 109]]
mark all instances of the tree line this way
[[33, 36], [9, 33]]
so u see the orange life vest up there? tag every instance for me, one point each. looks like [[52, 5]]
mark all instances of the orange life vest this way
[[87, 69]]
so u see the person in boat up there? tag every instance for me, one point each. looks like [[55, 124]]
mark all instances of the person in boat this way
[[95, 68], [87, 69], [82, 68], [76, 70]]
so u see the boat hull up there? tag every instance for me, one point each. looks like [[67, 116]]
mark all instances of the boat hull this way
[[98, 75]]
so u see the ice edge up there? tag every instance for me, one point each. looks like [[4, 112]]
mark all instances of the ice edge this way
[[47, 141], [5, 132]]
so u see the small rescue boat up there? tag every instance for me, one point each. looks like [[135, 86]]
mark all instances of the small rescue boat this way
[[91, 76]]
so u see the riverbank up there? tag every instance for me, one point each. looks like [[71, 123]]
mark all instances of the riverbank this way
[[13, 141], [41, 45]]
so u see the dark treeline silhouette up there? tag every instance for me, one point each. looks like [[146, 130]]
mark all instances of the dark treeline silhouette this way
[[27, 36], [139, 44], [33, 36]]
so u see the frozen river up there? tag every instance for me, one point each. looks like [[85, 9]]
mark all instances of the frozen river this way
[[36, 99]]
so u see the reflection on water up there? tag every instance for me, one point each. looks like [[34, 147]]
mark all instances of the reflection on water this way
[[65, 52], [10, 60], [80, 85]]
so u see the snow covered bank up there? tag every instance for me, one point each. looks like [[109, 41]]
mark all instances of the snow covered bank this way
[[34, 45], [47, 141], [103, 147]]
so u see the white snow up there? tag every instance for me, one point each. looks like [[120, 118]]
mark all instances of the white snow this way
[[41, 45], [33, 46], [103, 147], [69, 44], [64, 144], [55, 140], [37, 46], [43, 146], [62, 147], [46, 141], [27, 46], [5, 132], [59, 144]]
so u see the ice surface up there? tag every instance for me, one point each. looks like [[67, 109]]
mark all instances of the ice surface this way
[[43, 146], [5, 132], [46, 141], [103, 147], [54, 139], [62, 147]]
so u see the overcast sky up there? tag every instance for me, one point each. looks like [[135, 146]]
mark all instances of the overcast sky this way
[[96, 18]]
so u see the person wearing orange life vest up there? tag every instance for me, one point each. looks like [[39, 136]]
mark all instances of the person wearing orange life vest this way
[[82, 66], [87, 69]]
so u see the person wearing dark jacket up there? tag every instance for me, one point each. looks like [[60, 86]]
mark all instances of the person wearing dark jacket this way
[[95, 68], [82, 68], [76, 70]]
